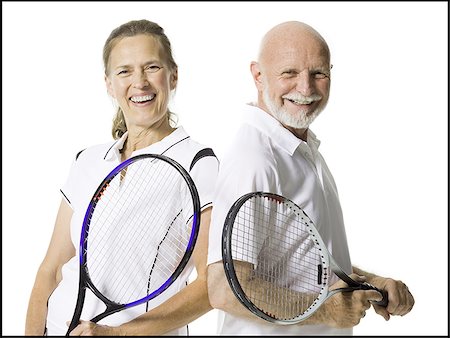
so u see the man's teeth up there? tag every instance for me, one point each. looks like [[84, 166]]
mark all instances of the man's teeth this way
[[301, 101], [138, 99]]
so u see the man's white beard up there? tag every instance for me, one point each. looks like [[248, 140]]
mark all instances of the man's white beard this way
[[297, 120]]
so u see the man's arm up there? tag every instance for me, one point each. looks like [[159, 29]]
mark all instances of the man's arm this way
[[220, 294], [341, 310]]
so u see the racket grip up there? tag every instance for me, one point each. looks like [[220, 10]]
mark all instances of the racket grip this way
[[73, 324], [384, 301]]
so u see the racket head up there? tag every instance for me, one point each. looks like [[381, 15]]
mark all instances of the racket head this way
[[138, 233], [274, 258]]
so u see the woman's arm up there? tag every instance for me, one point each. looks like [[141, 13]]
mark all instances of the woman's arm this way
[[182, 308], [60, 250]]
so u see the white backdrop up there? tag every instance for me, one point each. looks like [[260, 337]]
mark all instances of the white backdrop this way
[[384, 132]]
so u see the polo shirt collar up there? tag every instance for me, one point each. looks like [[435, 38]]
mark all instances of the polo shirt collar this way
[[313, 141], [270, 126], [178, 135]]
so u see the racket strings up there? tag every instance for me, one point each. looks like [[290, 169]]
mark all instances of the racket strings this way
[[139, 229], [140, 259], [281, 274]]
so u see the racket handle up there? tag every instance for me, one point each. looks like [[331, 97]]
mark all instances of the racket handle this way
[[73, 324], [384, 301]]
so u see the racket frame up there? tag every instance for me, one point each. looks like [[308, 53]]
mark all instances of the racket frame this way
[[327, 261], [84, 279]]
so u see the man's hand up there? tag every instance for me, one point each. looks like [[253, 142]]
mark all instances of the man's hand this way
[[401, 301], [345, 309]]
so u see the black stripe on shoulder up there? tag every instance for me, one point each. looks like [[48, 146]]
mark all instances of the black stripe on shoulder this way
[[76, 157], [110, 149], [202, 153], [62, 192]]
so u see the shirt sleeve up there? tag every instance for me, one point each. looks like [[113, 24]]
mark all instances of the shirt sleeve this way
[[204, 174], [240, 173], [72, 182], [68, 188]]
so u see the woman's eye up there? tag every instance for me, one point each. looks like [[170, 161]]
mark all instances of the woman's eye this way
[[122, 72], [153, 68]]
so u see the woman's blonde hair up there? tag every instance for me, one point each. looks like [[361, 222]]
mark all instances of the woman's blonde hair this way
[[129, 29]]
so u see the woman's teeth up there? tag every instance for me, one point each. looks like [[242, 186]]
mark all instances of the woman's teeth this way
[[139, 99]]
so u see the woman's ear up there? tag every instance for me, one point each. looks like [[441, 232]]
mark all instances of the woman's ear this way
[[109, 86], [173, 79]]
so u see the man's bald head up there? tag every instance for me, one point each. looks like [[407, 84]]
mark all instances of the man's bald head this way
[[290, 34]]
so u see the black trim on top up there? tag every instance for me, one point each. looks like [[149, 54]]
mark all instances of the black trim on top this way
[[62, 192], [202, 153], [76, 157], [175, 144], [161, 153], [206, 205], [110, 149]]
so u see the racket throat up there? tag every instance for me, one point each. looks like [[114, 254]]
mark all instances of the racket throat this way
[[110, 309]]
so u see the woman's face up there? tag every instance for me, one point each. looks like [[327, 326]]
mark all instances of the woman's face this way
[[139, 79]]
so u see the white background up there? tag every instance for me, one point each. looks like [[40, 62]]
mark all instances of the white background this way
[[384, 132]]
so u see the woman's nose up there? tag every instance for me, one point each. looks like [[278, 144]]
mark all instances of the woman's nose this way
[[140, 80]]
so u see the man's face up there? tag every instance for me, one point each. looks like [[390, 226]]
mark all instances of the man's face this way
[[296, 81]]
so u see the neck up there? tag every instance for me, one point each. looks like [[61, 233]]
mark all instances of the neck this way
[[302, 134], [139, 138]]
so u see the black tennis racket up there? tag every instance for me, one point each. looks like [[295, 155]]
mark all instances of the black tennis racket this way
[[276, 262], [138, 233]]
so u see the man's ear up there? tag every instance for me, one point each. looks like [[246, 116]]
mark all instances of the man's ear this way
[[109, 86], [256, 74]]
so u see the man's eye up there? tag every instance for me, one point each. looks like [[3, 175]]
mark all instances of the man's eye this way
[[320, 75], [122, 72], [289, 73]]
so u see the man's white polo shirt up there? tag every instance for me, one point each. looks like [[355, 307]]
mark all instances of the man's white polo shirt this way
[[88, 170], [265, 156]]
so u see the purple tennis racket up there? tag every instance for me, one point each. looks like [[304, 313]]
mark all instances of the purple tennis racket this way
[[138, 234]]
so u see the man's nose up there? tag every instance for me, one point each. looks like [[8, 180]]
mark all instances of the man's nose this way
[[305, 83]]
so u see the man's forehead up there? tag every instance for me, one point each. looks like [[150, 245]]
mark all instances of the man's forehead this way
[[298, 58]]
